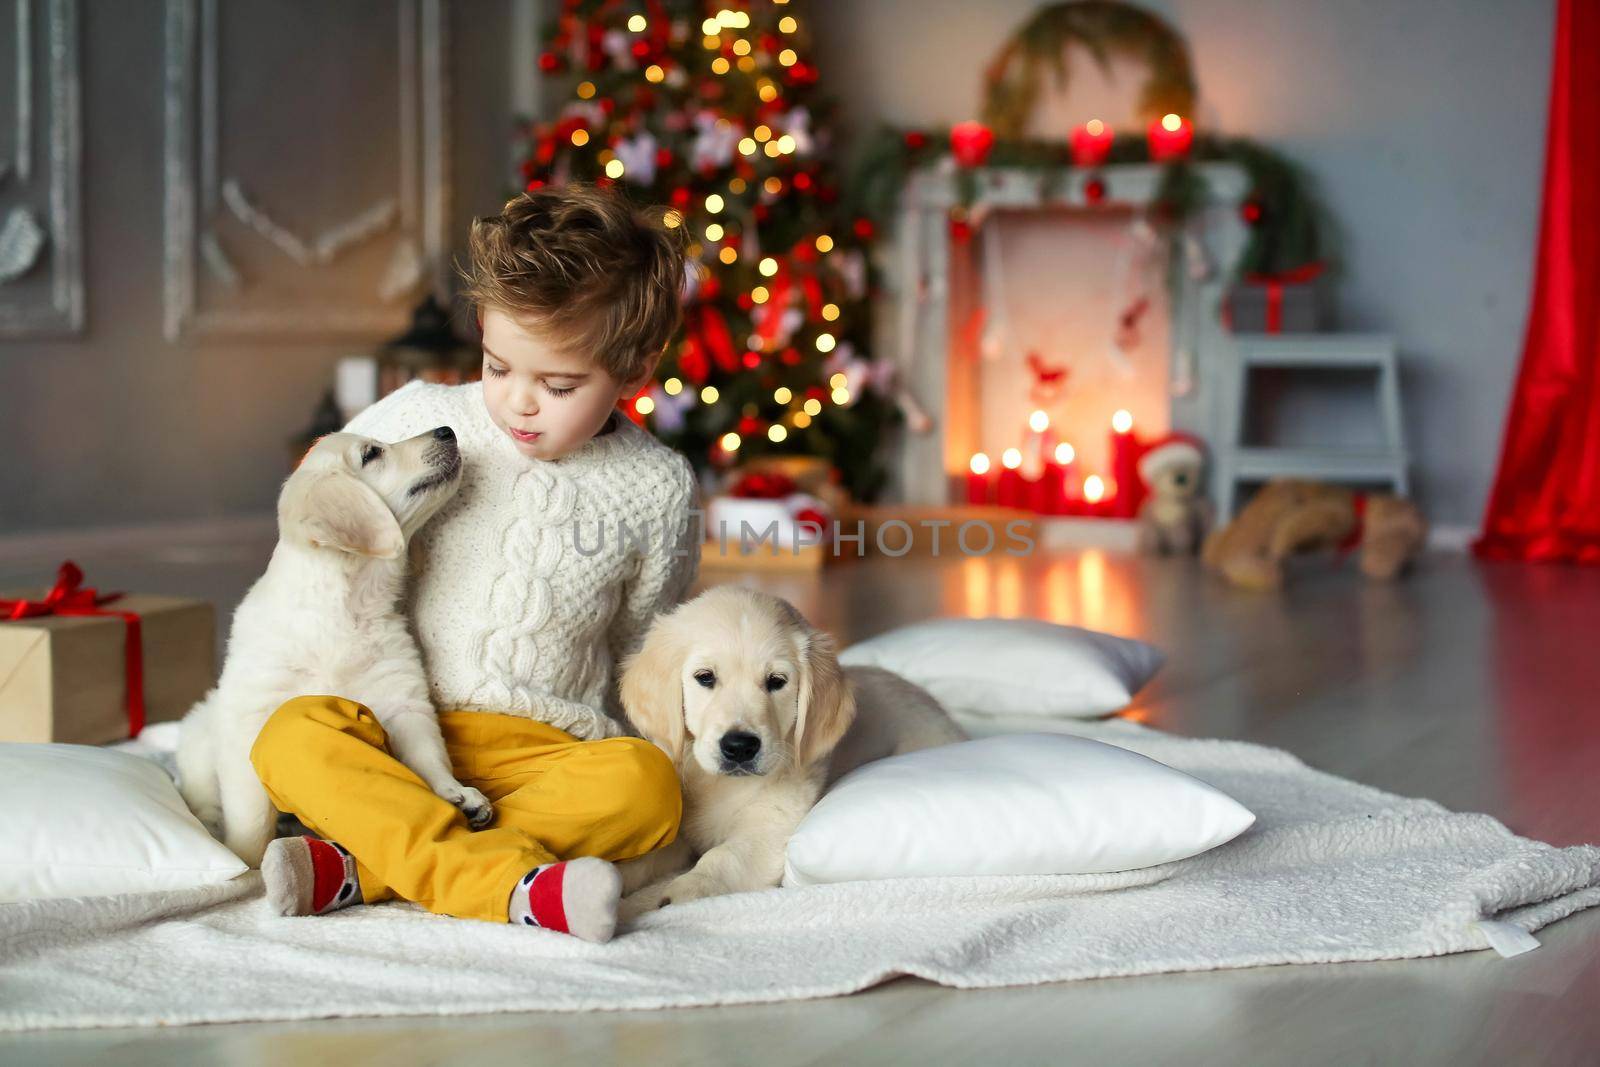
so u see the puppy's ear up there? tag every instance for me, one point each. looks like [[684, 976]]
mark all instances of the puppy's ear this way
[[332, 509], [652, 688], [827, 702]]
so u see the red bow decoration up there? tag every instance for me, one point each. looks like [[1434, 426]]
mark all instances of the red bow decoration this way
[[1275, 283], [69, 596], [762, 485], [1358, 529]]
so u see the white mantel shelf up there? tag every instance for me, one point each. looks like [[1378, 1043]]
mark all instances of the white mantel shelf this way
[[1127, 185]]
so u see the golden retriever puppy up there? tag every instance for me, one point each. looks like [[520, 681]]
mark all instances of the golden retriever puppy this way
[[753, 707], [326, 618]]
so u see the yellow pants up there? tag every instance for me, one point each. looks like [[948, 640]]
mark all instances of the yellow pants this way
[[323, 759]]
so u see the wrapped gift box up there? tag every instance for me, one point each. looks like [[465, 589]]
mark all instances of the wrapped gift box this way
[[1286, 303], [65, 677]]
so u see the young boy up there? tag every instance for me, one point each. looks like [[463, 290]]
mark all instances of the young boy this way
[[521, 619]]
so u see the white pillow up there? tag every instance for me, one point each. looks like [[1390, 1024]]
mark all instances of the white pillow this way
[[82, 821], [1014, 666], [1015, 804]]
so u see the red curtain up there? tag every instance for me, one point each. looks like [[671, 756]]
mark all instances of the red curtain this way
[[1546, 500]]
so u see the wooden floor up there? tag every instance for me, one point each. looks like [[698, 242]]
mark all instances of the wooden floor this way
[[1475, 685]]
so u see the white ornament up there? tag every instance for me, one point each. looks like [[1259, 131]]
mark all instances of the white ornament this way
[[715, 142], [797, 124], [638, 155], [617, 45]]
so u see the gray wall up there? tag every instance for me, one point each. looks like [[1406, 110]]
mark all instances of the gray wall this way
[[120, 426], [1422, 120]]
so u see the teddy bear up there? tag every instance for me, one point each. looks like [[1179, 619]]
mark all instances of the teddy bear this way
[[1290, 516], [1175, 515]]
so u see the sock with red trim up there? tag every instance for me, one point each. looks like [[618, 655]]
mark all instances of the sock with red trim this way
[[309, 876], [577, 897]]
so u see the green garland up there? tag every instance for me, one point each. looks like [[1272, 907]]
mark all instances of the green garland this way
[[1281, 210]]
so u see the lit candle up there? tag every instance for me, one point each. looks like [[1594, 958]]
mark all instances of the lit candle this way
[[1091, 143], [1061, 478], [1037, 444], [1124, 467], [1094, 491], [980, 481], [1011, 493], [970, 143], [1047, 494], [1171, 137]]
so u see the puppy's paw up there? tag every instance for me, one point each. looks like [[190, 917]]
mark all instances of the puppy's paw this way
[[642, 902], [473, 804], [690, 886]]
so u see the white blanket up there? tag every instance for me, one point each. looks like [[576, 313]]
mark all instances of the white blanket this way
[[1331, 871]]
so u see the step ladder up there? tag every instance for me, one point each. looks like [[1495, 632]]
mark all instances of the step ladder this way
[[1235, 462]]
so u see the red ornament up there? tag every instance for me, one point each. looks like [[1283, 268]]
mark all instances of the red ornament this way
[[1091, 143], [1250, 211], [693, 362], [960, 230], [549, 62], [750, 427], [916, 139], [970, 143], [1171, 137], [745, 302], [1094, 190], [751, 360], [607, 105], [604, 182], [802, 181], [790, 357], [535, 183], [641, 48], [761, 212], [663, 157], [864, 229], [680, 197], [816, 522], [815, 392]]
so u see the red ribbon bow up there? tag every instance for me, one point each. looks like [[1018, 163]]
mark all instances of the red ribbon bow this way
[[1275, 283], [69, 596], [762, 485]]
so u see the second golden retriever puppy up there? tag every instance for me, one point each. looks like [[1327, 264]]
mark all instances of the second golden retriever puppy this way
[[752, 705]]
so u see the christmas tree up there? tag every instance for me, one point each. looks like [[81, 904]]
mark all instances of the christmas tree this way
[[710, 111]]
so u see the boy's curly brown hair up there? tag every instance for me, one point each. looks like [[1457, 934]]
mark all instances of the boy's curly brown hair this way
[[587, 270]]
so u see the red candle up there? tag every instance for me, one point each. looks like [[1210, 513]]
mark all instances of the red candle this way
[[1094, 492], [980, 481], [1060, 474], [1170, 138], [1011, 491], [970, 143], [1091, 143], [1125, 467]]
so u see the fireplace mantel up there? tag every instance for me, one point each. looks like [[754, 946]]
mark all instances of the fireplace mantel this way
[[930, 466]]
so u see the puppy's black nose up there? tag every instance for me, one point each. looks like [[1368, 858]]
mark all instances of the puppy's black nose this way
[[445, 433], [740, 747]]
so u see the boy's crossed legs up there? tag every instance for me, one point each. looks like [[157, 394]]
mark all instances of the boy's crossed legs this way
[[565, 809]]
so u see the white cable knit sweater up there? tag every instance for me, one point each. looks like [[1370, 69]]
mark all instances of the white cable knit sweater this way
[[526, 596]]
